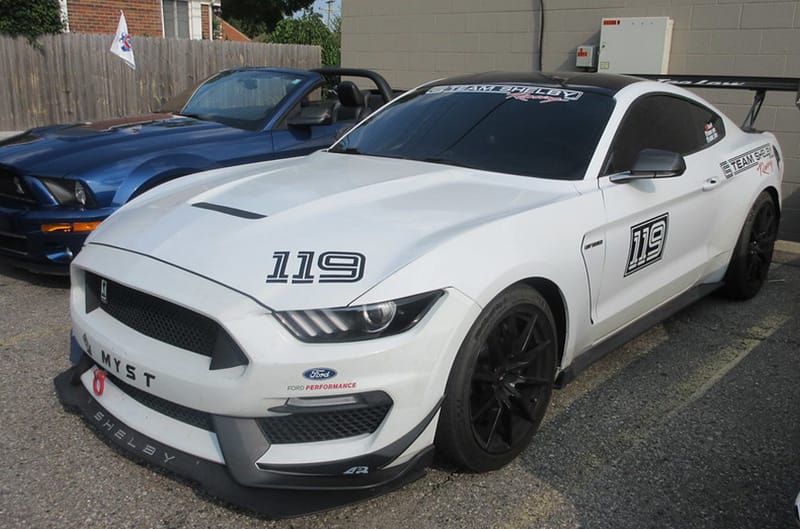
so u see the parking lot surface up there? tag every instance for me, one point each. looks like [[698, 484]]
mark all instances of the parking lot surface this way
[[695, 424]]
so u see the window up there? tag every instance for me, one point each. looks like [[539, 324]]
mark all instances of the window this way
[[176, 18], [662, 122]]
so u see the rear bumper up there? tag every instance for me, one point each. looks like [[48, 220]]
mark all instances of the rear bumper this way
[[284, 493]]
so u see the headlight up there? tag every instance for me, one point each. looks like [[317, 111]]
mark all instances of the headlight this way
[[69, 192], [80, 193], [361, 322]]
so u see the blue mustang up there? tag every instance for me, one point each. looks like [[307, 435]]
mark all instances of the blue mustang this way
[[58, 183]]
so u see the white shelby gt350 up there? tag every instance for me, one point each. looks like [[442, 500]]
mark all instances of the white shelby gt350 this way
[[322, 323]]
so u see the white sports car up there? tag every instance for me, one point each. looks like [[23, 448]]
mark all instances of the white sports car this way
[[323, 323]]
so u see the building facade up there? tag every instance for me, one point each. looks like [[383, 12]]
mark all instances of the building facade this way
[[188, 19], [415, 41]]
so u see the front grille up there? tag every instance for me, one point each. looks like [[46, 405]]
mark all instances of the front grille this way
[[13, 243], [198, 419], [323, 426], [163, 321], [14, 190]]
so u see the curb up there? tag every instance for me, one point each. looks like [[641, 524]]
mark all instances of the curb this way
[[788, 247]]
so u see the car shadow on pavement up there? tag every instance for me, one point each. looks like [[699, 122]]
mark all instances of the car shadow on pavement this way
[[43, 280]]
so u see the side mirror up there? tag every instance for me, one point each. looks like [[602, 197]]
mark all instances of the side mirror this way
[[312, 116], [652, 163]]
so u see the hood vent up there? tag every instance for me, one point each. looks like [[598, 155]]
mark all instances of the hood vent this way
[[229, 211]]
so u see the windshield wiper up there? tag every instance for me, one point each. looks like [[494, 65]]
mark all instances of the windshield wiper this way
[[348, 150], [201, 117], [445, 161]]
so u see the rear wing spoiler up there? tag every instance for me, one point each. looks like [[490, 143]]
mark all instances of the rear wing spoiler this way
[[759, 85]]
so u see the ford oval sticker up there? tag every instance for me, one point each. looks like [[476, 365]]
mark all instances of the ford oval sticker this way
[[319, 373]]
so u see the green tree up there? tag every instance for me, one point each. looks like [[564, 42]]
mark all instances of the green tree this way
[[30, 18], [309, 29], [256, 17]]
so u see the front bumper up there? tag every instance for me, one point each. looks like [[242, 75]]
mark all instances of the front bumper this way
[[283, 499], [152, 373], [24, 245]]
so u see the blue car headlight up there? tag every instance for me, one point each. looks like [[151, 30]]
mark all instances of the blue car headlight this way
[[360, 322], [69, 192]]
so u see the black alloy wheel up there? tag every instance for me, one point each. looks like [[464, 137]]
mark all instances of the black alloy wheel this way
[[501, 382], [511, 378], [752, 256]]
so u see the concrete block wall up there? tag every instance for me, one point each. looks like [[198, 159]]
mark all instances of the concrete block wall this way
[[414, 41]]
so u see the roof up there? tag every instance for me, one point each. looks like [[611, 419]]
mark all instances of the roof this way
[[231, 33]]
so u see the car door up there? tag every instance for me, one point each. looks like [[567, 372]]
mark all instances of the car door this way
[[656, 232]]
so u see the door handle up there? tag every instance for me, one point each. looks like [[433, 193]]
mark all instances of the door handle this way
[[711, 183]]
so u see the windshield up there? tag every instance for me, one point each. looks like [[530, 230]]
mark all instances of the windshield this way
[[243, 99], [546, 132]]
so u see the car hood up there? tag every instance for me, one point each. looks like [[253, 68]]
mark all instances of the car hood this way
[[77, 149], [228, 225]]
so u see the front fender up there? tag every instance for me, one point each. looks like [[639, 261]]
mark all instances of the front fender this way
[[485, 261], [160, 169]]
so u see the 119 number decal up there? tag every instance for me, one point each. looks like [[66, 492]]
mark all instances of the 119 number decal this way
[[328, 267], [647, 243]]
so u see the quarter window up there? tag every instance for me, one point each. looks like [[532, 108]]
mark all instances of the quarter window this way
[[662, 122]]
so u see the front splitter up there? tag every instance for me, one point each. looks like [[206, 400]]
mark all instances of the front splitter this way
[[214, 478]]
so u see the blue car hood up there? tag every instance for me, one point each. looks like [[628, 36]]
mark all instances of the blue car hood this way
[[62, 150]]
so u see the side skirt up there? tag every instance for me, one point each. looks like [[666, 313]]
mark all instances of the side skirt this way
[[633, 330]]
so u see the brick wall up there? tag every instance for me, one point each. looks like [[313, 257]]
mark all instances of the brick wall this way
[[205, 20], [414, 41], [102, 16]]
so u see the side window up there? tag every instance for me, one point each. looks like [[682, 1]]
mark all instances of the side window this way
[[662, 122]]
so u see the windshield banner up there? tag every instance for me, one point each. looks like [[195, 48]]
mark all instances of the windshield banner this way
[[542, 94]]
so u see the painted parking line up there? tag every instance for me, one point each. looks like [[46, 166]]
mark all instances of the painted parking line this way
[[546, 503], [726, 359], [597, 374]]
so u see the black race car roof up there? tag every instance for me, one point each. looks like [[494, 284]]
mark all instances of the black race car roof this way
[[605, 83]]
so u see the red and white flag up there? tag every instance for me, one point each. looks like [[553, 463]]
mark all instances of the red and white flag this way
[[122, 47]]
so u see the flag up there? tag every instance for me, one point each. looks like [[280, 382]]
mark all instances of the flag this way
[[121, 47]]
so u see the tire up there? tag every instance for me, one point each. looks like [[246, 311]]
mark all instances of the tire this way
[[752, 256], [500, 383]]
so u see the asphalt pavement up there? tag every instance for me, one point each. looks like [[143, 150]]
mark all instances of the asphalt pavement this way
[[695, 424]]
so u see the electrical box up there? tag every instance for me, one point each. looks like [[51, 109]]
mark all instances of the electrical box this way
[[585, 57], [635, 45]]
